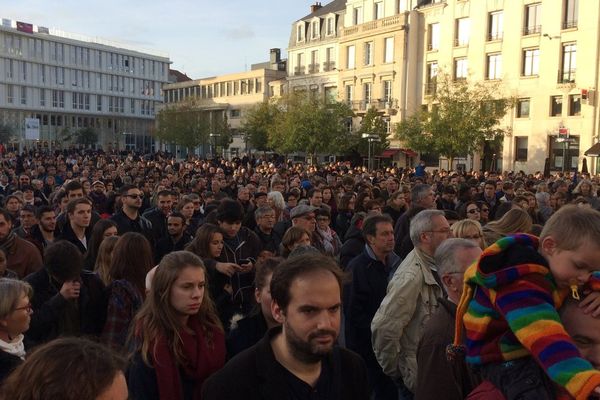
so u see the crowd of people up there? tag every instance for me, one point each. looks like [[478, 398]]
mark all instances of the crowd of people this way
[[256, 278]]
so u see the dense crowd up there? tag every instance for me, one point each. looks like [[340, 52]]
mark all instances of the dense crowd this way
[[178, 266]]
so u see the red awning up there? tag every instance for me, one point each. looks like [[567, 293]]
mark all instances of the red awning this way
[[409, 153], [389, 153]]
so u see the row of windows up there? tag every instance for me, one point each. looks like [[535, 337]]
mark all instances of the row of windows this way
[[220, 89], [367, 92], [495, 29], [368, 53], [378, 11], [49, 51], [530, 65], [315, 64], [80, 101], [21, 71], [523, 106], [314, 28]]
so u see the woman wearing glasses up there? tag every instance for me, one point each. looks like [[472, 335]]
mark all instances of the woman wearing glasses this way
[[15, 316], [470, 210]]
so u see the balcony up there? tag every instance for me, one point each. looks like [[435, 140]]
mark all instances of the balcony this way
[[566, 76], [459, 42], [569, 24], [372, 25], [385, 104], [301, 70], [430, 88], [329, 66], [313, 68], [495, 36], [532, 30]]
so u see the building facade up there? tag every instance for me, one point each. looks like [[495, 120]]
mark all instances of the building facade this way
[[69, 82], [230, 96], [313, 51], [530, 47]]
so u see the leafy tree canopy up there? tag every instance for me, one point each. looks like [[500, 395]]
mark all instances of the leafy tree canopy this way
[[460, 117]]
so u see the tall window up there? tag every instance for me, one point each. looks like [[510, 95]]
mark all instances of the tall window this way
[[357, 15], [367, 92], [569, 63], [496, 25], [574, 105], [462, 32], [494, 66], [531, 62], [378, 10], [330, 26], [461, 68], [521, 144], [432, 70], [571, 14], [387, 91], [9, 68], [300, 33], [329, 59], [388, 56], [314, 61], [556, 106], [533, 19], [42, 97], [314, 29], [10, 95], [523, 108], [369, 53], [349, 93], [351, 57], [299, 64], [433, 37]]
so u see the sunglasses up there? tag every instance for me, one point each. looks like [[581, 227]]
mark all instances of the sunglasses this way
[[474, 211]]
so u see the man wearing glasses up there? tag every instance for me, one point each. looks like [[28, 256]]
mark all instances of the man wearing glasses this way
[[128, 218], [412, 297]]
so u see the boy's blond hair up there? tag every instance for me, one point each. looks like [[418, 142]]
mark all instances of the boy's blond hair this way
[[571, 226]]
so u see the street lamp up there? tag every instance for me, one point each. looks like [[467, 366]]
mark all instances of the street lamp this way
[[371, 137]]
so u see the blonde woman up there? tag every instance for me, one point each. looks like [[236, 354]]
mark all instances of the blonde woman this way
[[515, 220], [104, 258], [469, 229]]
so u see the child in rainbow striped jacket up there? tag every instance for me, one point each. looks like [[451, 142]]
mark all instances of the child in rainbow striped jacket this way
[[514, 336]]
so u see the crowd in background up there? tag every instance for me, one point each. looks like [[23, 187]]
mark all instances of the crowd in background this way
[[81, 234]]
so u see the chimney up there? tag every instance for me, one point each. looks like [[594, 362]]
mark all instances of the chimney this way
[[315, 7], [275, 56]]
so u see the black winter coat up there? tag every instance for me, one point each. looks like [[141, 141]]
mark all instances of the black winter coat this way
[[49, 306]]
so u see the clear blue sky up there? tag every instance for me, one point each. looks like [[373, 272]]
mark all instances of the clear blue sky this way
[[203, 38]]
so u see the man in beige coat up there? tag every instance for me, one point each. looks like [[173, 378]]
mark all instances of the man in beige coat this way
[[410, 300]]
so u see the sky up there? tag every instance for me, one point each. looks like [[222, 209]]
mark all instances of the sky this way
[[202, 38]]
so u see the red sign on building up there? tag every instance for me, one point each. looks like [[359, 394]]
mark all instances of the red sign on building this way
[[24, 27]]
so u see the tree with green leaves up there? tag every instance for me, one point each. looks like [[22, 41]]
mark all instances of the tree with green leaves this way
[[460, 117], [221, 127], [307, 123], [86, 136], [7, 133], [371, 124], [257, 123], [184, 123]]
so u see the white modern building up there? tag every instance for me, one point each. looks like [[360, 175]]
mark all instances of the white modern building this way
[[69, 82]]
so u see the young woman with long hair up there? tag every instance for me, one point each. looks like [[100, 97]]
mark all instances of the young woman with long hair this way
[[104, 259], [177, 337], [102, 229], [131, 261]]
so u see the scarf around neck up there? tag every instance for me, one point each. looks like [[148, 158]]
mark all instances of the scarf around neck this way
[[201, 360], [15, 347]]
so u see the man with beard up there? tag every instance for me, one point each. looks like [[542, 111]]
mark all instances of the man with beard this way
[[298, 360]]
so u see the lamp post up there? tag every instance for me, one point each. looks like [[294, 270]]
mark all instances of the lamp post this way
[[371, 137]]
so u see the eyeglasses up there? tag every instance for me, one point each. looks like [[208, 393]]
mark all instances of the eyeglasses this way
[[444, 231], [27, 308], [472, 237], [474, 211]]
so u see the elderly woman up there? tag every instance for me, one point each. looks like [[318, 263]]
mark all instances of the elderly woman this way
[[15, 316]]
